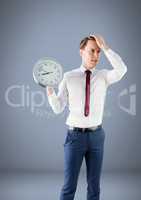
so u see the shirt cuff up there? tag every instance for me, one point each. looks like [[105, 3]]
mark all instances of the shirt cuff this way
[[106, 50]]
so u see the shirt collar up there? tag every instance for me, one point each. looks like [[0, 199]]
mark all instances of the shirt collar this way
[[83, 69]]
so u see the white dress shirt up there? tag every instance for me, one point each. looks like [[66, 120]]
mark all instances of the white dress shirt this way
[[71, 92]]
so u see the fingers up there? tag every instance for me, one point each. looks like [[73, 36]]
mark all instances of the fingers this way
[[95, 36], [98, 38], [100, 41], [50, 90], [92, 35]]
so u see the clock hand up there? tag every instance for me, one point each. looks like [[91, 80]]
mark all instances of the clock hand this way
[[46, 73]]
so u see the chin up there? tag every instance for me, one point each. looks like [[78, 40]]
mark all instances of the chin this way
[[92, 66]]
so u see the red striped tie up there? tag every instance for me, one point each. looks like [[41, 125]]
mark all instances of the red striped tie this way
[[87, 92]]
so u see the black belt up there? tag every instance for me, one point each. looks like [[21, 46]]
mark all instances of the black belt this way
[[85, 129]]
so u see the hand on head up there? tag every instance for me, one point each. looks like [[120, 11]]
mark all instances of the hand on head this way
[[100, 41]]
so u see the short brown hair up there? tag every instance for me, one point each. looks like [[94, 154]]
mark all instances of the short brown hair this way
[[84, 41]]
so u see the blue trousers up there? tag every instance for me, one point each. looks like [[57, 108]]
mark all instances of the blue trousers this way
[[79, 145]]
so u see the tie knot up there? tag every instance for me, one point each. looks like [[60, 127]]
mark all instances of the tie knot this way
[[88, 72]]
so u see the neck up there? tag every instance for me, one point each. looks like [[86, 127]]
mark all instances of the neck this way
[[86, 66]]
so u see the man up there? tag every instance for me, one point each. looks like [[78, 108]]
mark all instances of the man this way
[[84, 89]]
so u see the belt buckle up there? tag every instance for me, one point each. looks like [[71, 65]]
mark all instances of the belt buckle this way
[[83, 129], [73, 128]]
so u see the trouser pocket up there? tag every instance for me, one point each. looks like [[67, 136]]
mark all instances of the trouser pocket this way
[[71, 137]]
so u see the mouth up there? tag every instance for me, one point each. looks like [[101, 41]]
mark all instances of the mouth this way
[[93, 60]]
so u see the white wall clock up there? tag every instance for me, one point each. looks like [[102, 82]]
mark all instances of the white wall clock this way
[[47, 72]]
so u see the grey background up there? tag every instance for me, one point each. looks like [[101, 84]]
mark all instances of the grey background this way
[[31, 30]]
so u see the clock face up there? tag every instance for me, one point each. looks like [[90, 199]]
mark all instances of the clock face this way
[[47, 72]]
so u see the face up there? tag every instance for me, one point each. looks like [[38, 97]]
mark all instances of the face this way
[[90, 54]]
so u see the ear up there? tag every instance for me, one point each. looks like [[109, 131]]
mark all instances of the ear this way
[[80, 52]]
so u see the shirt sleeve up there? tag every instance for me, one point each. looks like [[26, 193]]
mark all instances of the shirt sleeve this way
[[59, 101], [119, 67]]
